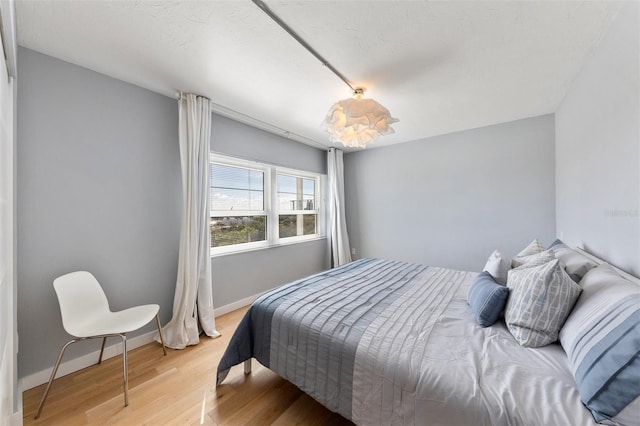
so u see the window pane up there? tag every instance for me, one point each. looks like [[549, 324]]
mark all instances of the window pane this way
[[287, 183], [236, 177], [256, 180], [293, 225], [309, 186], [296, 193], [288, 225], [288, 202], [308, 203], [236, 199], [309, 224], [236, 188], [287, 193], [231, 230]]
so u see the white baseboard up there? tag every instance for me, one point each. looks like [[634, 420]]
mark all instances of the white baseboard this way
[[16, 418], [222, 310], [73, 365]]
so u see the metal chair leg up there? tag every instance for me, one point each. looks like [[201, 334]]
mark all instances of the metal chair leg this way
[[126, 370], [104, 340], [53, 375], [164, 349]]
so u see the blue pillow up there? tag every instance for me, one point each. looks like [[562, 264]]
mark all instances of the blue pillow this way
[[487, 299]]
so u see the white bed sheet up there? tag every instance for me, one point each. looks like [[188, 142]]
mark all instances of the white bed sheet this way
[[462, 374]]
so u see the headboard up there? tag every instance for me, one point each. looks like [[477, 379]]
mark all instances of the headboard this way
[[599, 261]]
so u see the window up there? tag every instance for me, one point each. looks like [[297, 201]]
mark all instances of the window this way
[[237, 205], [297, 214], [255, 205]]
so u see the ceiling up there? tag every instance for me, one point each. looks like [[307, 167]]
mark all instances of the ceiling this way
[[438, 66]]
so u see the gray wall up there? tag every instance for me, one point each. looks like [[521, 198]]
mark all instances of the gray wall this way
[[237, 276], [451, 200], [98, 189], [230, 137], [598, 149]]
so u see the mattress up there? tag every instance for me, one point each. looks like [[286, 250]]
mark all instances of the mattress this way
[[389, 342]]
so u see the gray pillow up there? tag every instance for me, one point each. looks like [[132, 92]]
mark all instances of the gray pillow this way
[[576, 264], [541, 299]]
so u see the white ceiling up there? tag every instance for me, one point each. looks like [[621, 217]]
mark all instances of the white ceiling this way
[[438, 66]]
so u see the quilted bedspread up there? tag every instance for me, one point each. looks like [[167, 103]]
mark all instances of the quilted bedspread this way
[[389, 342]]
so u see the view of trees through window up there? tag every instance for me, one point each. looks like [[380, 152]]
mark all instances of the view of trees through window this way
[[288, 225], [229, 230]]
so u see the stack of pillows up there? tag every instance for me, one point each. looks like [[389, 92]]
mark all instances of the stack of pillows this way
[[559, 294]]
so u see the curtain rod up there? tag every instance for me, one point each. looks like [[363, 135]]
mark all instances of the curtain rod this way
[[256, 123]]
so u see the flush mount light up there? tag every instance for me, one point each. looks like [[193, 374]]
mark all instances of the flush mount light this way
[[355, 121]]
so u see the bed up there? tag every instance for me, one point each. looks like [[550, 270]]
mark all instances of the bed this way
[[389, 342]]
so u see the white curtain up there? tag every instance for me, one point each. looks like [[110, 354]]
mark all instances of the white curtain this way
[[9, 396], [193, 299], [338, 237]]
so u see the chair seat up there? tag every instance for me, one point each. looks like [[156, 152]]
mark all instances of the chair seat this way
[[101, 323]]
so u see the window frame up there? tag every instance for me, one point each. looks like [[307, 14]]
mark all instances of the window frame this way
[[271, 205]]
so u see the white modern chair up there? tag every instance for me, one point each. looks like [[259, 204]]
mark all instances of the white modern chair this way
[[86, 315]]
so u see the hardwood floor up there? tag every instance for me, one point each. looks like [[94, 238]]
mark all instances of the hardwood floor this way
[[178, 389]]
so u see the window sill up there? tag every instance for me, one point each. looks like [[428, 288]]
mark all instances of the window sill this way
[[280, 244]]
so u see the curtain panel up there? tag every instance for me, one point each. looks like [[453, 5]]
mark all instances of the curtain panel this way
[[337, 236], [193, 298], [9, 395]]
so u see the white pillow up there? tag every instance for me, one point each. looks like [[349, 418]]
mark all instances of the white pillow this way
[[533, 248], [541, 299], [498, 266]]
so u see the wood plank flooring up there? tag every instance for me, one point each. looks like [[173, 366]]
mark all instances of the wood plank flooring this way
[[178, 389]]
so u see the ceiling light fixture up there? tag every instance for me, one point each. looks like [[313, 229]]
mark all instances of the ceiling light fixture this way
[[355, 121]]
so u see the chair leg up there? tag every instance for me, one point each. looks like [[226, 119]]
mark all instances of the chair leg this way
[[125, 370], [104, 340], [53, 375], [164, 349]]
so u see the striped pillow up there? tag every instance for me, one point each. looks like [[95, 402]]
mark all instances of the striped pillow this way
[[540, 301], [486, 298], [602, 340]]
